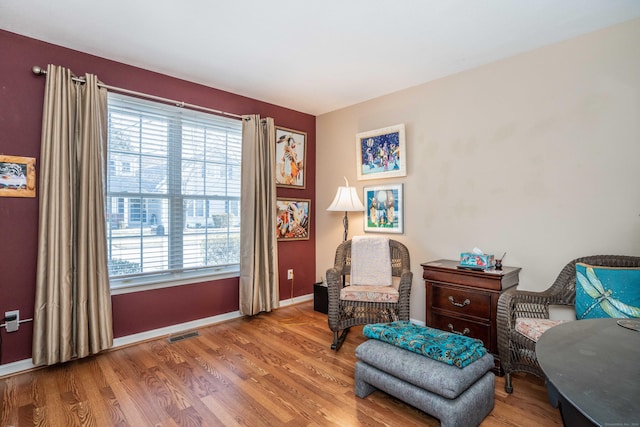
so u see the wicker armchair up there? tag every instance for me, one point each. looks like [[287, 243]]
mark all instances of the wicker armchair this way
[[517, 352], [343, 314]]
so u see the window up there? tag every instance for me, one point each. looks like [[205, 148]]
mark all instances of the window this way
[[173, 192]]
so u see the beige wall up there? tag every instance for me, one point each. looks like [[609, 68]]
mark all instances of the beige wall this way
[[537, 155]]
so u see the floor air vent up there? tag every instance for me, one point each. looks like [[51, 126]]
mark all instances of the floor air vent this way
[[177, 338]]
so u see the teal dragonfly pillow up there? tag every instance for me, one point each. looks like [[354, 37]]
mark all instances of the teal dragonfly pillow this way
[[607, 292]]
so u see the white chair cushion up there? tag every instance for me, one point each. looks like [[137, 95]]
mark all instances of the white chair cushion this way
[[369, 293], [534, 328]]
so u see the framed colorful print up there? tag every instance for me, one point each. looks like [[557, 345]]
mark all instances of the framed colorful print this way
[[381, 153], [17, 176], [384, 211], [292, 219], [291, 150]]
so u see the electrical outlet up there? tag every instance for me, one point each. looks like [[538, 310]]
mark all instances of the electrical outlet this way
[[13, 324], [290, 274]]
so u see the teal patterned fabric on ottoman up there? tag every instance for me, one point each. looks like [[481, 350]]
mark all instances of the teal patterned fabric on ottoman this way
[[446, 347]]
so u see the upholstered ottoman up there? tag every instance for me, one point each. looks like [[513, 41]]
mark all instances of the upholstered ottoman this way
[[457, 397]]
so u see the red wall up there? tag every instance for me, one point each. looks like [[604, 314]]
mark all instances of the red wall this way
[[21, 97]]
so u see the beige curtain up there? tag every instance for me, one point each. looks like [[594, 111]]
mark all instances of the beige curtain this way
[[72, 315], [258, 243]]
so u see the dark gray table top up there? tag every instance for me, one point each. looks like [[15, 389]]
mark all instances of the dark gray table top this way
[[595, 365]]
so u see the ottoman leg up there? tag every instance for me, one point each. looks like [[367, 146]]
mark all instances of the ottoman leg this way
[[362, 388]]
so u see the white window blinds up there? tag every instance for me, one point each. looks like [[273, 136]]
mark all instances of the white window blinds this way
[[173, 189]]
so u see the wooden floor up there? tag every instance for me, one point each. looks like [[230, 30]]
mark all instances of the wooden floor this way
[[274, 369]]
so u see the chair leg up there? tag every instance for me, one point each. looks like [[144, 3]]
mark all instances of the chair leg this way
[[338, 339], [507, 383]]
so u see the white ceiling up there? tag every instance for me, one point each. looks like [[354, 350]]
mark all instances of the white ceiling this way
[[310, 56]]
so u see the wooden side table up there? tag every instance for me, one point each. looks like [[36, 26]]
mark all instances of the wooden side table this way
[[465, 301]]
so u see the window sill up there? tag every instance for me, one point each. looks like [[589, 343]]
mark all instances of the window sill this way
[[138, 284]]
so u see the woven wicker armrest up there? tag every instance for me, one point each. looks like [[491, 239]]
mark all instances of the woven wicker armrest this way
[[404, 306], [406, 279], [334, 284], [404, 287], [515, 304], [334, 278]]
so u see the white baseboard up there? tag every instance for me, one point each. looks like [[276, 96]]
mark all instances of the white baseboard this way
[[15, 367], [27, 364], [173, 329], [187, 326], [418, 322], [296, 300]]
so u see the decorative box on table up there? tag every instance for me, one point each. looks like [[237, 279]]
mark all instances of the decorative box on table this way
[[476, 261]]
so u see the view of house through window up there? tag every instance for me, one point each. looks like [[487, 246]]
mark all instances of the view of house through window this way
[[173, 190]]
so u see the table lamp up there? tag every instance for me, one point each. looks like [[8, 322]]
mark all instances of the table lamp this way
[[346, 200]]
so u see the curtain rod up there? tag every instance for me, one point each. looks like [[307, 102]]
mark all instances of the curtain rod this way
[[40, 71]]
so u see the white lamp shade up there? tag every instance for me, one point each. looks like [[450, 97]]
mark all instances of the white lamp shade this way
[[346, 200]]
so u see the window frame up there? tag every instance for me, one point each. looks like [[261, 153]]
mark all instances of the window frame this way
[[177, 214]]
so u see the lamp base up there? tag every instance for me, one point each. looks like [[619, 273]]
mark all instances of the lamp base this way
[[345, 223]]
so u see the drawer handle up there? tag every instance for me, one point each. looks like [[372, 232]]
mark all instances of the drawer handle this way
[[464, 332], [457, 304]]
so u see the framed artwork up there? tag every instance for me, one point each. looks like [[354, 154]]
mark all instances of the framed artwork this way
[[292, 219], [384, 211], [381, 153], [291, 151], [17, 176]]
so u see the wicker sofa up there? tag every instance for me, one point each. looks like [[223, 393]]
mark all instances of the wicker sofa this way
[[346, 313], [517, 352]]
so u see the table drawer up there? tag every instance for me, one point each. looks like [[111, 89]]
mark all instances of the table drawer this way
[[464, 327], [461, 301]]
